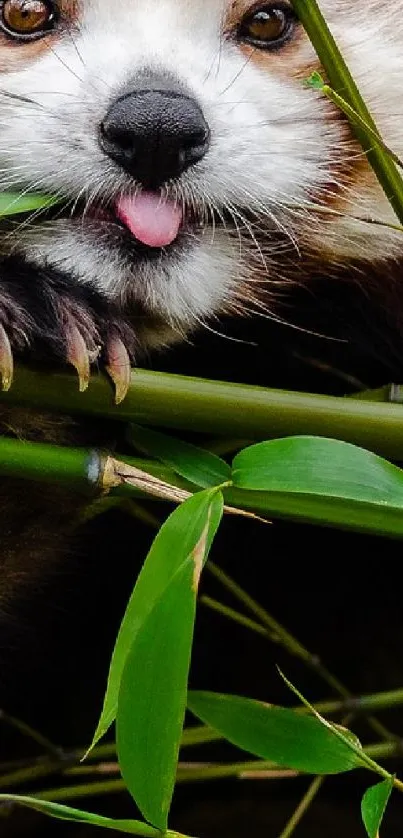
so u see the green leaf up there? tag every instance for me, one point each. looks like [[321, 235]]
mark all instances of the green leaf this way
[[152, 700], [325, 480], [195, 464], [65, 813], [153, 692], [373, 806], [315, 81], [172, 546], [284, 736], [316, 465], [342, 733], [13, 203]]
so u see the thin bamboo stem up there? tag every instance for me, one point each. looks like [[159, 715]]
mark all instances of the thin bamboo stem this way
[[342, 81], [200, 734], [250, 769], [290, 643], [30, 733], [303, 807]]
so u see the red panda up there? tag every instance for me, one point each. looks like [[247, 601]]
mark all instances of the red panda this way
[[195, 173]]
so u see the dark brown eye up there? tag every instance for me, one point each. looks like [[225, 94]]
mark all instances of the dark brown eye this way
[[27, 19], [267, 27]]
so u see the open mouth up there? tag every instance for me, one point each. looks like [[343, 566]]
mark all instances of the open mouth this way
[[151, 224]]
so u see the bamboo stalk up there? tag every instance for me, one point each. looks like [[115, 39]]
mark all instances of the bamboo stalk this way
[[240, 770], [201, 734], [84, 470], [301, 810], [44, 463], [219, 408], [342, 81]]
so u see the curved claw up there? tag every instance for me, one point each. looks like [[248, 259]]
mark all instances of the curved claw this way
[[6, 360], [118, 367], [78, 356]]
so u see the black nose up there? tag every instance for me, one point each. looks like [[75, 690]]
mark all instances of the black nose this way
[[155, 134]]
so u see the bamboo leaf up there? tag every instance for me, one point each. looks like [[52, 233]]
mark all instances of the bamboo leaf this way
[[153, 691], [316, 82], [349, 739], [319, 466], [172, 546], [373, 806], [13, 203], [65, 813], [284, 736], [152, 700], [195, 464], [324, 480]]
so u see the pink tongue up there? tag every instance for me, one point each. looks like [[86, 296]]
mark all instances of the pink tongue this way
[[152, 221]]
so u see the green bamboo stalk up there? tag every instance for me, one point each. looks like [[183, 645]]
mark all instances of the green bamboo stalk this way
[[46, 767], [363, 703], [317, 83], [44, 463], [76, 468], [218, 408], [201, 734], [308, 798], [236, 617], [37, 771], [289, 642], [356, 704], [341, 80], [30, 733], [379, 750], [83, 470]]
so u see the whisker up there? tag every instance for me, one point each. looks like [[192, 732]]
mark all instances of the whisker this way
[[19, 98], [66, 66], [222, 335], [235, 212], [82, 62], [237, 75], [216, 57]]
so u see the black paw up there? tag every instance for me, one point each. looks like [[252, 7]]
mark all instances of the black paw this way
[[48, 315]]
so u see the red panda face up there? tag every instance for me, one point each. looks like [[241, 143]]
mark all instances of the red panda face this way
[[187, 148]]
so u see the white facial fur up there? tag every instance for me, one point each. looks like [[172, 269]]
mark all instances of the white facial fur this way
[[275, 146]]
